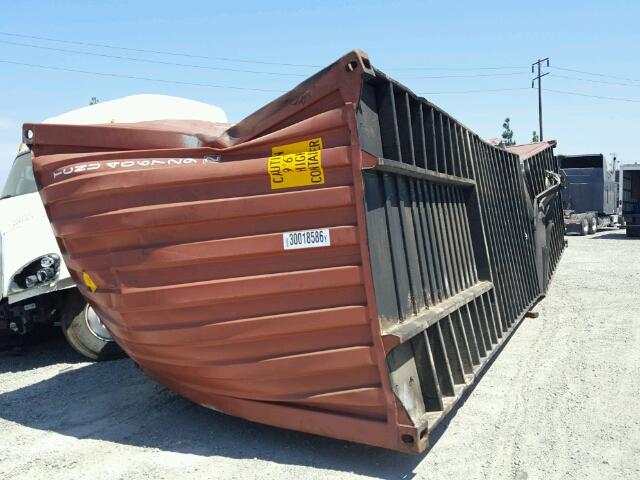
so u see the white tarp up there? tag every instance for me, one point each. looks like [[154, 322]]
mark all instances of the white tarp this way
[[141, 108]]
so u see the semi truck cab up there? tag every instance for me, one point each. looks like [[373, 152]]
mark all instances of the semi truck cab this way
[[36, 290], [590, 197]]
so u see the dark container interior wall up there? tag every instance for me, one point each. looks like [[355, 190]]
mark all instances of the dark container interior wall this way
[[452, 242], [631, 192], [590, 184]]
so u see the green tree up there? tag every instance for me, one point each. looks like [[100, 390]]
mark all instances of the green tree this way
[[535, 138], [94, 100], [507, 134]]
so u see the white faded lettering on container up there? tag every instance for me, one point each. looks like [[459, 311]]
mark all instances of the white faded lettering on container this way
[[125, 164]]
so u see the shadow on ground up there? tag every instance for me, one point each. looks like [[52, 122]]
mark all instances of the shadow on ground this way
[[22, 356], [115, 402]]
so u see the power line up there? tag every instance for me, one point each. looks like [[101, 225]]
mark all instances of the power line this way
[[231, 87], [157, 52], [206, 67], [597, 74], [520, 67], [146, 60], [281, 64], [595, 81], [199, 84], [592, 96], [229, 59], [133, 77], [527, 88], [474, 91], [467, 76]]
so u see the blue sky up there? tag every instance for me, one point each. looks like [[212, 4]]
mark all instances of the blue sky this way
[[404, 39]]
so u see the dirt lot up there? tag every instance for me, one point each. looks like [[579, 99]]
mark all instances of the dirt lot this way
[[560, 401]]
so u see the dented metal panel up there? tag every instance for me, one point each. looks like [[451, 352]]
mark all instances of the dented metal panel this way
[[541, 172], [343, 261]]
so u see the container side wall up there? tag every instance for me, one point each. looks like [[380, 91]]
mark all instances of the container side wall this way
[[453, 244]]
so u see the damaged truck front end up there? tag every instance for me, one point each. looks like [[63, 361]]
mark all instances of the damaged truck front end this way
[[32, 274]]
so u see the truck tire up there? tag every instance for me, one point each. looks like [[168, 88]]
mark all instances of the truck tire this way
[[584, 227], [84, 331], [593, 224]]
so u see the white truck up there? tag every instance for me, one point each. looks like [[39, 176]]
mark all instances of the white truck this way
[[36, 290]]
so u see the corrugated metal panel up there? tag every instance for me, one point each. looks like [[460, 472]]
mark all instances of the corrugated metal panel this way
[[370, 337]]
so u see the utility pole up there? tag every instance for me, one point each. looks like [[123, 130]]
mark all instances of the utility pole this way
[[539, 79]]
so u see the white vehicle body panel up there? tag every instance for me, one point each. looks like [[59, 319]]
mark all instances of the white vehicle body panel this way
[[26, 235]]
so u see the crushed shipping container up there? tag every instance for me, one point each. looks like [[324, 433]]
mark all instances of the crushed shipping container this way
[[344, 261]]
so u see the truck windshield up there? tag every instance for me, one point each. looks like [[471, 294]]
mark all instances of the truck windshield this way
[[20, 180]]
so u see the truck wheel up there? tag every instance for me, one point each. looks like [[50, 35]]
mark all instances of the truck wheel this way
[[85, 332], [593, 225], [584, 227]]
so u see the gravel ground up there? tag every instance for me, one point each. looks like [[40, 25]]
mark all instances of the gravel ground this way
[[560, 401]]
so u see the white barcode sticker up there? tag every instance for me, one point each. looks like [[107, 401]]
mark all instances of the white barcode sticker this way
[[306, 239]]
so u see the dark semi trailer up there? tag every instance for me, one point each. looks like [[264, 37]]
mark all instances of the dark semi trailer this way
[[590, 196], [630, 197]]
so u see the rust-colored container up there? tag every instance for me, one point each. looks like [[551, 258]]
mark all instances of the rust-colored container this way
[[335, 263]]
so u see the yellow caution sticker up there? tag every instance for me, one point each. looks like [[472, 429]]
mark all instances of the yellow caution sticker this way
[[88, 281], [296, 164]]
